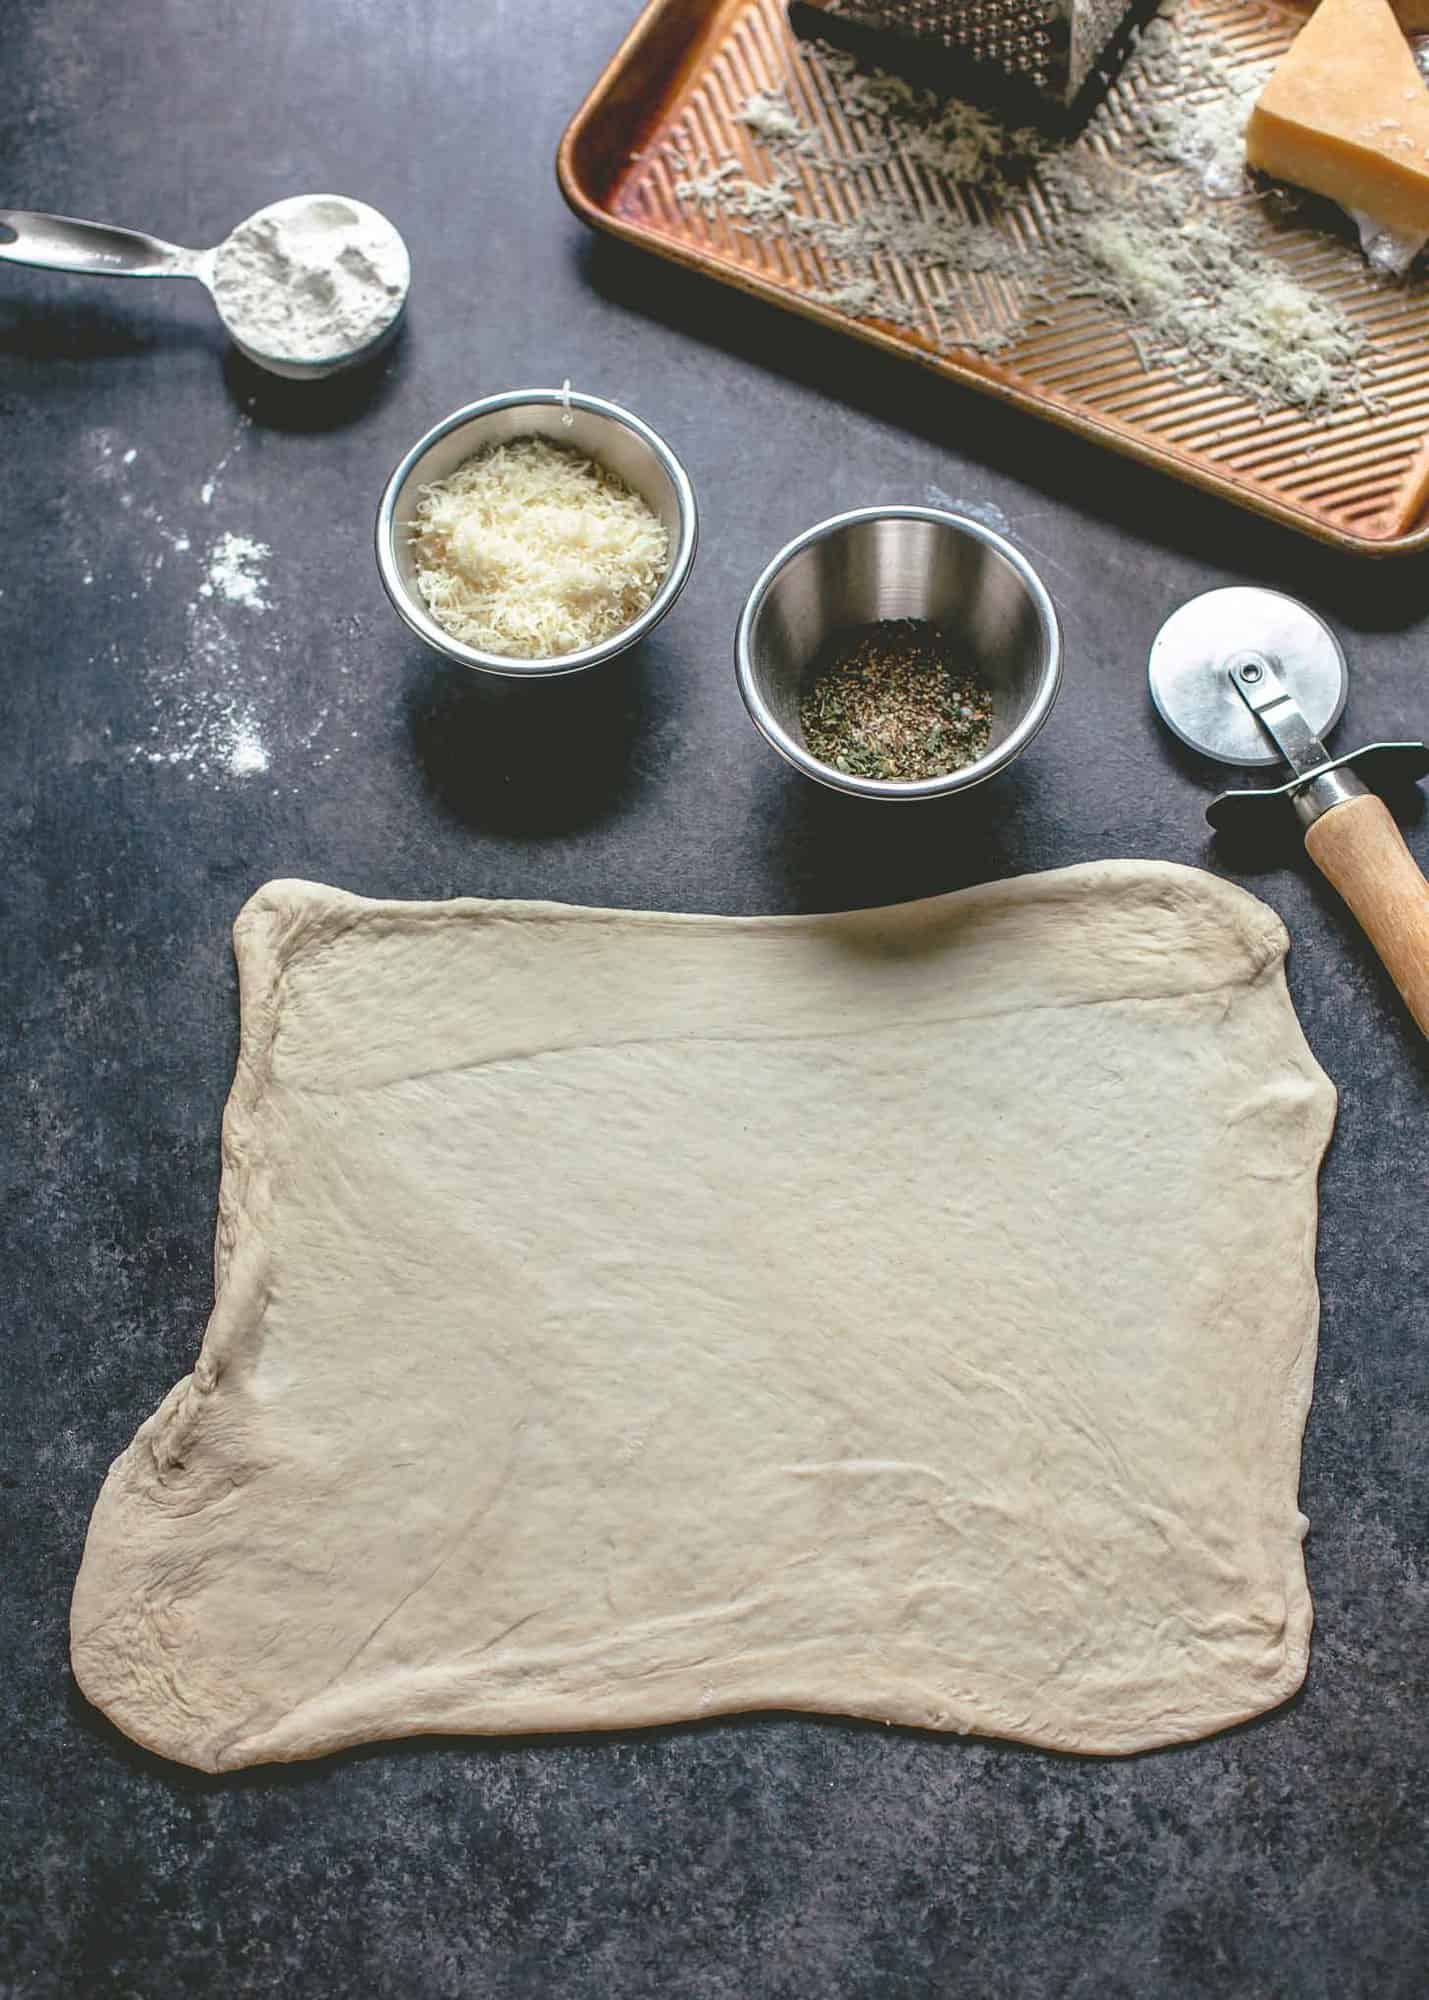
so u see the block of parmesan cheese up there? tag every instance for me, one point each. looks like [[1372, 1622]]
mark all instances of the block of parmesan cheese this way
[[1346, 114]]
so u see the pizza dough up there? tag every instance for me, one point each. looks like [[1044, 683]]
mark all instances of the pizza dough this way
[[621, 1318]]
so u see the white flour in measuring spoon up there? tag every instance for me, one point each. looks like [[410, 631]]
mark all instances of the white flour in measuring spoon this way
[[312, 284]]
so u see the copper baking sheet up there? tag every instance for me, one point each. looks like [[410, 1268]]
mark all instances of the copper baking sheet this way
[[1350, 477]]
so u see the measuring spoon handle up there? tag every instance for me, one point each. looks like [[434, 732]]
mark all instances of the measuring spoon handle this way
[[64, 243], [1357, 847]]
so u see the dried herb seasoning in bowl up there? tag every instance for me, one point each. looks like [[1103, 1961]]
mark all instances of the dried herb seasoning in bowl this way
[[890, 701]]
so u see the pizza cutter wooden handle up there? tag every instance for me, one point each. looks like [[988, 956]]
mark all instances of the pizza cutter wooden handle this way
[[1357, 846]]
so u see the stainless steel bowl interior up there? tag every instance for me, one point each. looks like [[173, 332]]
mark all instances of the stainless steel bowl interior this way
[[904, 562], [612, 436]]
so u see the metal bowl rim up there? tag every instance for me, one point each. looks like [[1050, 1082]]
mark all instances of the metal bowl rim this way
[[419, 620], [895, 789]]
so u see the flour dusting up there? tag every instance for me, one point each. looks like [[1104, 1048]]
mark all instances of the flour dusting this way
[[987, 512], [208, 719], [235, 571], [246, 754], [214, 736], [212, 680]]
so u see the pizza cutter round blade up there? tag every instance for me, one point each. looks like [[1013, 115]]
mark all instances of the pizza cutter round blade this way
[[1198, 646], [1251, 677]]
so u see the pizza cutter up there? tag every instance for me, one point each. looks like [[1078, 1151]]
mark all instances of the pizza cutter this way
[[1250, 677]]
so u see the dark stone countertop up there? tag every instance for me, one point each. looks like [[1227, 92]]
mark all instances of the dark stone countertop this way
[[775, 1856]]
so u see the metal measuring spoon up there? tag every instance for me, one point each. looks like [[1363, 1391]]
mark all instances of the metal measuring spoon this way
[[95, 249], [1250, 677]]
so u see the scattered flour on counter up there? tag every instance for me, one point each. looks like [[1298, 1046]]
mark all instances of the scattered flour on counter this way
[[211, 484], [215, 737], [217, 713], [208, 702], [212, 680], [235, 571], [985, 512], [207, 721], [246, 754]]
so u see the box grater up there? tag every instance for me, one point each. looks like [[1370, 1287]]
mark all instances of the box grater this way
[[1049, 47]]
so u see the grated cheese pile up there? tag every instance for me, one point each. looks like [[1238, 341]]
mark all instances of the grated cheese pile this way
[[1205, 293], [533, 550]]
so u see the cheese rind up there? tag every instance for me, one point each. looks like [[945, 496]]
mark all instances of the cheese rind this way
[[1346, 115]]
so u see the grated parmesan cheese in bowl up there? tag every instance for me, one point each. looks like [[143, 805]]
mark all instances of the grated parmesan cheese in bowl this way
[[533, 550], [539, 532]]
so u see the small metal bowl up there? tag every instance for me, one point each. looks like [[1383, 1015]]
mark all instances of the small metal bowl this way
[[901, 562], [605, 432]]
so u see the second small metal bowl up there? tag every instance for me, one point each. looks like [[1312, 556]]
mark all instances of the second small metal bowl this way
[[901, 562], [606, 433]]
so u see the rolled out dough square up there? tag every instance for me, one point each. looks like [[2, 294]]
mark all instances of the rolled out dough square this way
[[623, 1318]]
